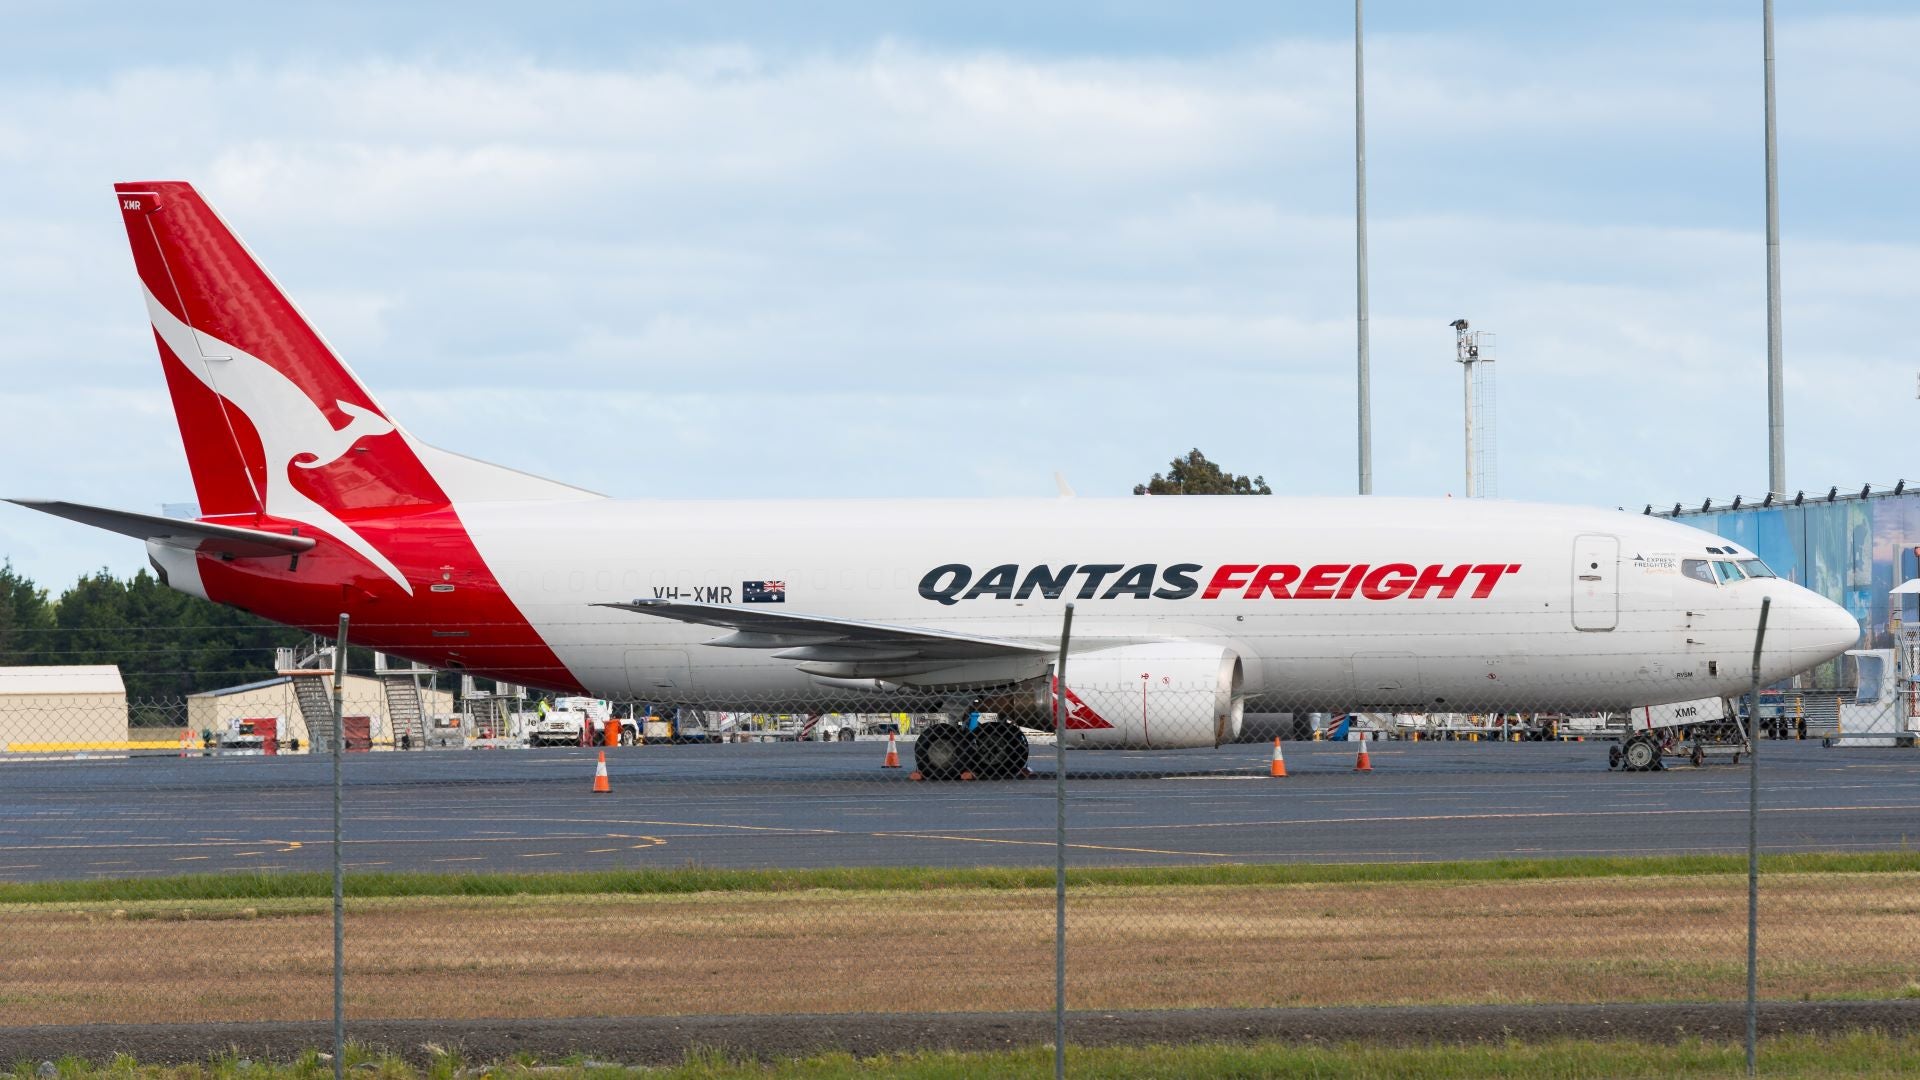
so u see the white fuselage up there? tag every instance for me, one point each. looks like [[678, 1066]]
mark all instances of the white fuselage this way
[[1576, 608]]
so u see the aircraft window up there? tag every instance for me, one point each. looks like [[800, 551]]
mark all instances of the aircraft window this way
[[1728, 571], [1756, 568], [1697, 569]]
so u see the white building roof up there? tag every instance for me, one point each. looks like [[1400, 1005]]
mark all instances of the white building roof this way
[[84, 679]]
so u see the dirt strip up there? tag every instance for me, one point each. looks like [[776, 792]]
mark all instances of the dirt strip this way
[[666, 1040]]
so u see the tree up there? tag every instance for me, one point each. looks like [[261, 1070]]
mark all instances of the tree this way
[[25, 618], [1193, 474]]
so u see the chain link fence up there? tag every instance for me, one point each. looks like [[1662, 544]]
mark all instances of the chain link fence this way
[[1296, 830]]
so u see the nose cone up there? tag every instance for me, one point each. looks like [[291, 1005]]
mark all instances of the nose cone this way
[[1818, 629]]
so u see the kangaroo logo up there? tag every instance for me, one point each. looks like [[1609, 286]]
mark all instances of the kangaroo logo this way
[[294, 433]]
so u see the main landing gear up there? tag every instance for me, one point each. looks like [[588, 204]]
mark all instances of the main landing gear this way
[[991, 751]]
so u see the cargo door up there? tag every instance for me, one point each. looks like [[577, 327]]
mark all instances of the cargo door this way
[[1596, 582], [658, 674]]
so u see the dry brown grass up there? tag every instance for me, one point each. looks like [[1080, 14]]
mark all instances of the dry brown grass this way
[[1592, 940]]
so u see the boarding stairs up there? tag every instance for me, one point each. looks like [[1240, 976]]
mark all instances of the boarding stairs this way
[[311, 693], [405, 709], [311, 669]]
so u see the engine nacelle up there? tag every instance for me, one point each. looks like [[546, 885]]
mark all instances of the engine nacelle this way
[[1166, 695]]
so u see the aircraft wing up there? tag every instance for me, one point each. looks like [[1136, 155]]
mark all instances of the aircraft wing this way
[[827, 640], [227, 540]]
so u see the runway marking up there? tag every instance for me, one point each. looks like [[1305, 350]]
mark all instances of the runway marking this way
[[786, 829], [461, 858], [538, 854], [601, 850], [287, 845], [193, 858], [1049, 843]]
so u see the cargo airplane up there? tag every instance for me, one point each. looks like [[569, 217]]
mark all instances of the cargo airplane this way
[[315, 501]]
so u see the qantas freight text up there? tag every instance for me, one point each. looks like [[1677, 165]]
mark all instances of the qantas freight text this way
[[951, 583]]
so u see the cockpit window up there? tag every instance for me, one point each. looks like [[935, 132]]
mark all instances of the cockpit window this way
[[1728, 571], [1696, 569], [1756, 568]]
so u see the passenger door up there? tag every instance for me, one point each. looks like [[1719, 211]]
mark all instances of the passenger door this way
[[1596, 582]]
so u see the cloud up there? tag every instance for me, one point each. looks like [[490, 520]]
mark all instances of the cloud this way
[[907, 268]]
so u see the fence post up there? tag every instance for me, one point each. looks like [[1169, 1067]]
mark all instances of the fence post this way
[[1060, 850], [1753, 845], [339, 879]]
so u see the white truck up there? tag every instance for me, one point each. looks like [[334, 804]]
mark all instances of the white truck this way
[[566, 721]]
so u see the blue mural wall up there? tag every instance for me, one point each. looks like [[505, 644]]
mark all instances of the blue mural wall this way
[[1852, 551]]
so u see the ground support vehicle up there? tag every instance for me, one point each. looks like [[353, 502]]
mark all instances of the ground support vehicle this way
[[1691, 730], [569, 721]]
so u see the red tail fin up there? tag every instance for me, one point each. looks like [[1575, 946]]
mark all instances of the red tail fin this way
[[268, 413]]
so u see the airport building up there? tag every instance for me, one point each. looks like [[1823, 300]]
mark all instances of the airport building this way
[[62, 708], [277, 709]]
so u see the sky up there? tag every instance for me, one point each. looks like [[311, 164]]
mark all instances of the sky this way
[[713, 250]]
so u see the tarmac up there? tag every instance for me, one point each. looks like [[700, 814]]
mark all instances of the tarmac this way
[[831, 804]]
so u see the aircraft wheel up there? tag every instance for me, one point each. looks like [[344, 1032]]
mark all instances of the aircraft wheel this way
[[1639, 755], [846, 734], [938, 752], [997, 751], [1613, 757]]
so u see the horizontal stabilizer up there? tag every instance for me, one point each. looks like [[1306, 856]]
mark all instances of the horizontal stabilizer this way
[[229, 541]]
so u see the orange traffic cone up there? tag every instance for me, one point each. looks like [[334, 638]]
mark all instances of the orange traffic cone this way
[[893, 753], [1279, 766], [1361, 764], [600, 785]]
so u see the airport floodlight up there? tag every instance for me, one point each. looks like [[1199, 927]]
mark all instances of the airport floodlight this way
[[1473, 350]]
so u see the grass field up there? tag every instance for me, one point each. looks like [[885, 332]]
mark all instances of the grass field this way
[[696, 941], [1863, 1054]]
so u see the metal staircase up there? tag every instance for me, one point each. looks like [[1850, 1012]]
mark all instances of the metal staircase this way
[[310, 668], [405, 710], [315, 698]]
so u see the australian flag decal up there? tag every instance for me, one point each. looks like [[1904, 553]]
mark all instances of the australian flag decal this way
[[763, 592]]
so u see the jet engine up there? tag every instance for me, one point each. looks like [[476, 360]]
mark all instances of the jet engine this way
[[1163, 695]]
